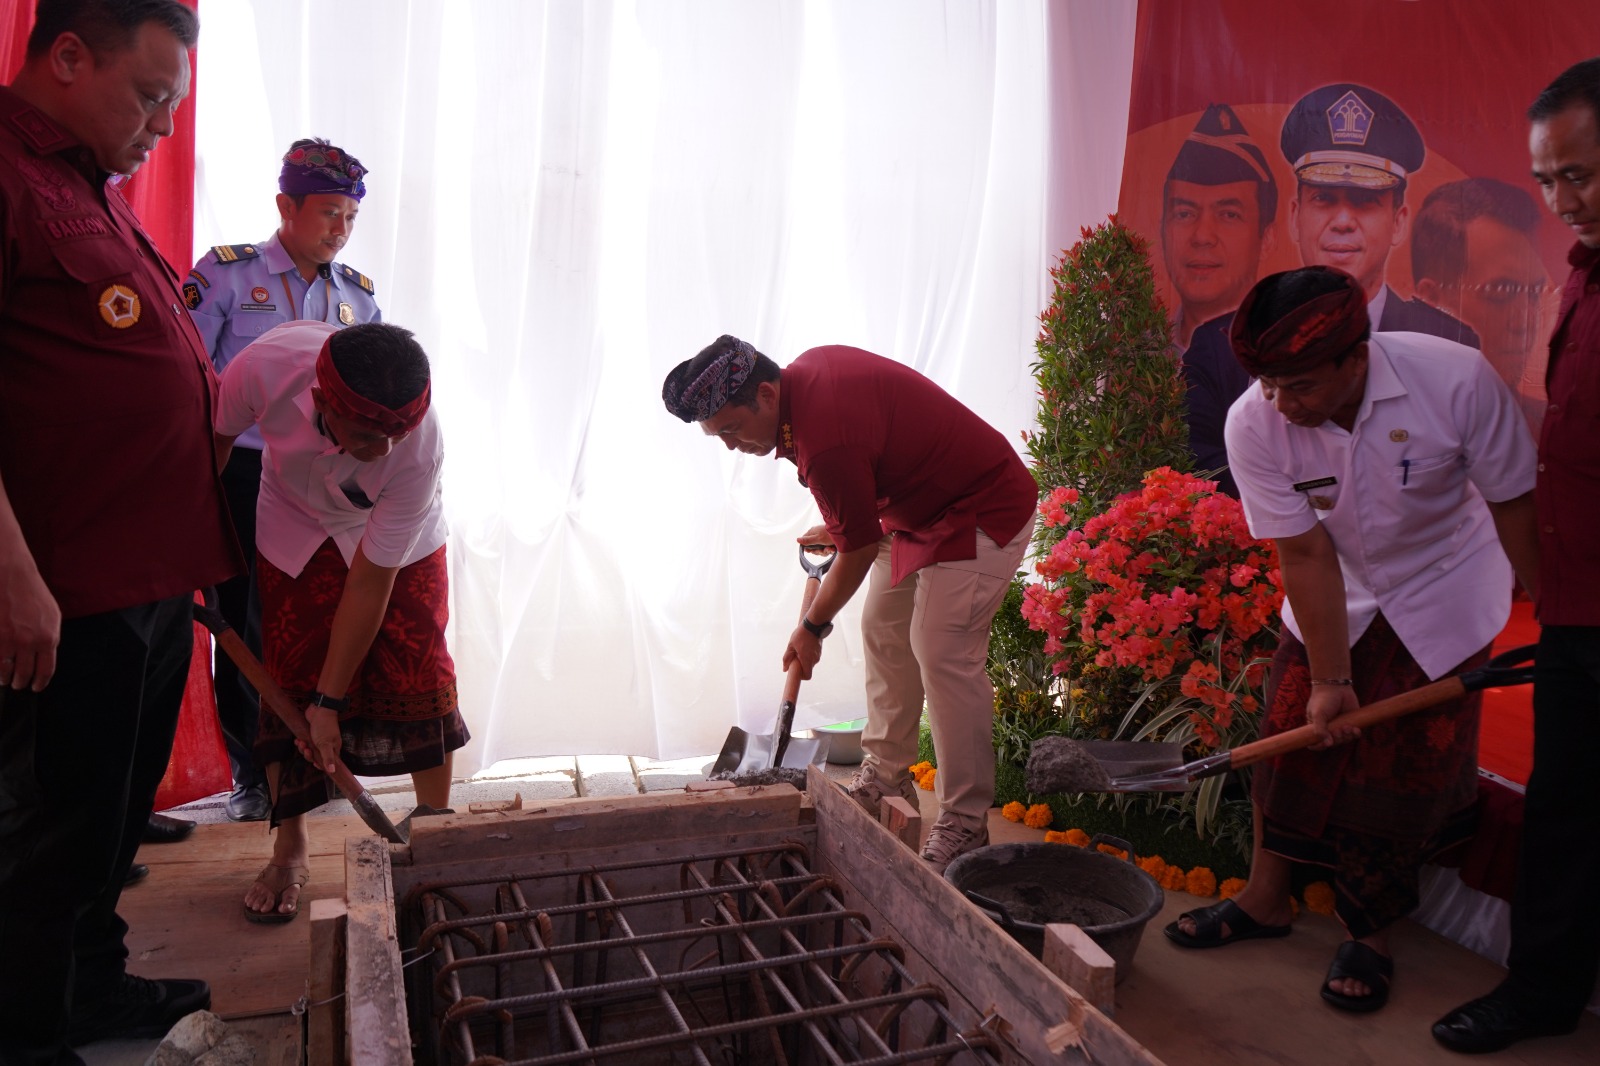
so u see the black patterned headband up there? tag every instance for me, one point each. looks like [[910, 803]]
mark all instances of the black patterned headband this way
[[699, 399]]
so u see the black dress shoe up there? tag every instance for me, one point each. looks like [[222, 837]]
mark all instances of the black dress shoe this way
[[1492, 1023], [249, 803], [136, 1009], [136, 873], [161, 829]]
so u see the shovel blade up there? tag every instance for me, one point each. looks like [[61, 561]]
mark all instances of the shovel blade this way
[[737, 756], [750, 753], [804, 751], [1062, 765], [377, 821]]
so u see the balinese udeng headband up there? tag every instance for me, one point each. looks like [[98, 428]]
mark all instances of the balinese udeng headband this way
[[347, 403], [698, 400], [1312, 334], [322, 168]]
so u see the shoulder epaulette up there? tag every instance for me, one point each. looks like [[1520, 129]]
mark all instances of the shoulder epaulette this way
[[356, 276], [234, 253]]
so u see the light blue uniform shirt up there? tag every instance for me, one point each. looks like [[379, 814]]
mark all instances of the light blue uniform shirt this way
[[237, 292]]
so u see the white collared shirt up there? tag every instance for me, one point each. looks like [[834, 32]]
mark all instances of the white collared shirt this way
[[310, 489], [1401, 493]]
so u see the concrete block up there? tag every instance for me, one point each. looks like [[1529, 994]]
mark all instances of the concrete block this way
[[673, 774], [606, 775]]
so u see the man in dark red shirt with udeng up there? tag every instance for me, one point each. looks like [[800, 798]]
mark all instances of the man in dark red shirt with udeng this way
[[928, 499], [111, 515], [1555, 923]]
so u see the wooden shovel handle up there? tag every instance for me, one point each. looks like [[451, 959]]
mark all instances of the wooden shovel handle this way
[[1394, 707], [271, 694], [791, 688]]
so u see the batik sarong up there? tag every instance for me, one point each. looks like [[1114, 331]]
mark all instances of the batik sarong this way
[[403, 715], [1371, 811]]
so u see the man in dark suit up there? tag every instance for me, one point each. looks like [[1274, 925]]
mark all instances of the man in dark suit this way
[[1352, 150]]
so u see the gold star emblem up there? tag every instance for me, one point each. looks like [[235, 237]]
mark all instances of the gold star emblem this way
[[119, 306]]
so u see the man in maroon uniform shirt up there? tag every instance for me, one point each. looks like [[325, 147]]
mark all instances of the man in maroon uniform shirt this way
[[1555, 926], [928, 499], [111, 515]]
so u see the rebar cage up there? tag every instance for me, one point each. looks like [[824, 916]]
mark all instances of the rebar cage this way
[[737, 957]]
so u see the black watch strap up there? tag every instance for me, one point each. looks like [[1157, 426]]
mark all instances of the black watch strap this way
[[815, 630], [337, 705]]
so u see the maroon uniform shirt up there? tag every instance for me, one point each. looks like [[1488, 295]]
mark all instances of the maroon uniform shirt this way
[[105, 390], [884, 450], [1567, 493]]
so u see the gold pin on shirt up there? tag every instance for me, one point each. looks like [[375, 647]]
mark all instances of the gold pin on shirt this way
[[1399, 436], [347, 314]]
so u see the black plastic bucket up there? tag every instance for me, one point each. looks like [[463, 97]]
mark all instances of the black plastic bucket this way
[[1025, 887]]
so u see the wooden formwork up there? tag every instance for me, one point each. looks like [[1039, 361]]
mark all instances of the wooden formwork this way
[[990, 981]]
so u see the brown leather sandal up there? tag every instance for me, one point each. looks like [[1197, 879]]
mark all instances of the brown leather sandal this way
[[290, 877]]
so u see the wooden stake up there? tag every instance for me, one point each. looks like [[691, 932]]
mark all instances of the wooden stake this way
[[325, 1014], [1073, 956], [901, 819]]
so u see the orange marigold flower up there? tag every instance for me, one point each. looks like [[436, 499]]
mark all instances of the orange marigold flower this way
[[1051, 836], [925, 779], [1013, 811], [1200, 882], [1319, 897], [1154, 865], [1117, 853], [1077, 838], [1231, 887], [1039, 816], [1173, 879]]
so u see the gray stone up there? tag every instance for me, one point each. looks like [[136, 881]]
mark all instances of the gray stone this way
[[234, 1050], [189, 1039]]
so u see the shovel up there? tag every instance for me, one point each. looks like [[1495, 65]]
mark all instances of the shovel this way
[[1058, 764], [748, 753], [293, 717]]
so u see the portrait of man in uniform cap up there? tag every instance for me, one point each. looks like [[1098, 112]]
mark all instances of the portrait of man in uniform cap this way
[[1217, 210], [1353, 151]]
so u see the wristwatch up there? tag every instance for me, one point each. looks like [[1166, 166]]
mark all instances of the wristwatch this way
[[815, 630], [332, 703]]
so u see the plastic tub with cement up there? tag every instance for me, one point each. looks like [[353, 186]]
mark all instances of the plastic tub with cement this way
[[1025, 887]]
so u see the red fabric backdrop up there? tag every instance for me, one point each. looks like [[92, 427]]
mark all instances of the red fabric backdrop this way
[[162, 194]]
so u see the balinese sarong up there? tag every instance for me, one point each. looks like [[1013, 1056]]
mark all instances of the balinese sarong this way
[[1372, 811], [402, 716]]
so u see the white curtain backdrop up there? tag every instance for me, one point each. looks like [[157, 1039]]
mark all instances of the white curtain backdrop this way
[[568, 198]]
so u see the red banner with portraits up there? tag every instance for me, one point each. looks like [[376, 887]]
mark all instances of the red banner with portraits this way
[[1384, 137]]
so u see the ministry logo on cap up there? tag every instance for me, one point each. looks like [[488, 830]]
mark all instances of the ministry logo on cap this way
[[1351, 135], [1349, 120]]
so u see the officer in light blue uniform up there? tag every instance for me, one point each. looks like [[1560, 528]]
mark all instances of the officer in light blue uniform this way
[[235, 293]]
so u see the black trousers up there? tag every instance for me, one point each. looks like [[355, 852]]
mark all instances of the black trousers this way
[[79, 766], [1555, 918], [238, 708]]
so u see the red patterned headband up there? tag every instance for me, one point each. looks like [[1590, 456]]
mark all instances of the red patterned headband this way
[[1316, 332], [347, 403]]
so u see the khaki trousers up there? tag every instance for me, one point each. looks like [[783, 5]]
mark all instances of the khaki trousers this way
[[929, 637]]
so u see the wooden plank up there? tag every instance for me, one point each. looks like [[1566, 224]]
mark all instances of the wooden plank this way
[[1073, 956], [376, 1031], [187, 918], [275, 1038], [1046, 1020], [597, 850], [556, 824], [903, 820], [325, 1011]]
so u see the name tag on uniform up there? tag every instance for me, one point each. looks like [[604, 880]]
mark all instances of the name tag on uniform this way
[[1319, 483]]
